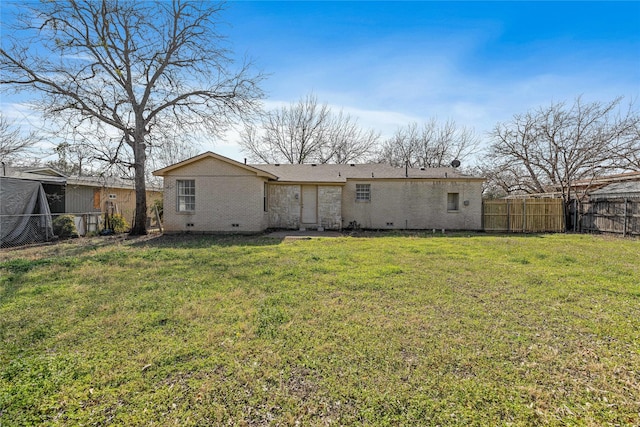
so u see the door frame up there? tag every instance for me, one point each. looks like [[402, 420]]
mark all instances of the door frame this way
[[303, 204]]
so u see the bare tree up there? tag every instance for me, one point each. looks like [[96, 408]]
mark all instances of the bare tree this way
[[13, 144], [307, 132], [430, 145], [73, 158], [629, 152], [346, 141], [130, 70], [552, 147]]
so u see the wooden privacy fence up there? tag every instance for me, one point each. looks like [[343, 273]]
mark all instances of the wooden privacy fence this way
[[609, 216], [523, 215]]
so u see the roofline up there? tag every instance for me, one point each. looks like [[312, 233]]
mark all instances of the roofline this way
[[311, 182], [369, 179], [210, 154], [420, 178], [35, 170], [45, 179], [79, 182], [608, 179]]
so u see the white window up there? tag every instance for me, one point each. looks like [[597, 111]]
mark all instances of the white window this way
[[452, 201], [186, 195], [363, 192]]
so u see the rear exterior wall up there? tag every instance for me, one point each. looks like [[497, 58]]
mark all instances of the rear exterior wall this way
[[228, 199], [285, 209], [414, 204]]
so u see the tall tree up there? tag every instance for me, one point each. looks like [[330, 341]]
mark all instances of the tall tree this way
[[13, 144], [549, 148], [307, 132], [130, 70], [431, 144]]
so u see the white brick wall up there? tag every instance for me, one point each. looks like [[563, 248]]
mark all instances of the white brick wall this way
[[229, 198], [225, 195], [414, 204]]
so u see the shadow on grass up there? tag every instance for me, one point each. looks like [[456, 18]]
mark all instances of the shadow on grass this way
[[199, 241], [437, 234], [270, 238]]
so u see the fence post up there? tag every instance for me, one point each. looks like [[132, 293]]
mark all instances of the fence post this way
[[160, 223], [508, 217], [524, 215]]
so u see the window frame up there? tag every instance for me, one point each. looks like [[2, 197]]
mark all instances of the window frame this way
[[455, 202], [188, 198], [363, 193], [265, 198]]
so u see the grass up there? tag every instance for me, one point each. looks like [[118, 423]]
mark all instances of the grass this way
[[388, 330]]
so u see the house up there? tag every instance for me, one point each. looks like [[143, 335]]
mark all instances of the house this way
[[617, 190], [85, 197], [212, 193], [583, 189]]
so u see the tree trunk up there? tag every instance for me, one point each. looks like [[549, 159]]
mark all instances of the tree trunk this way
[[139, 227]]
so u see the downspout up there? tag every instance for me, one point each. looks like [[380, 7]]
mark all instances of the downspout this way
[[4, 169]]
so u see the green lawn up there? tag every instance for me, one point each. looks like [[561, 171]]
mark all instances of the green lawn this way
[[379, 330]]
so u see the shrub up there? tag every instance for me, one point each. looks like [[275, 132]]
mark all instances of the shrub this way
[[117, 224], [64, 227]]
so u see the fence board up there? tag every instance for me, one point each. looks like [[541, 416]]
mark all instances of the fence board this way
[[621, 216], [523, 215]]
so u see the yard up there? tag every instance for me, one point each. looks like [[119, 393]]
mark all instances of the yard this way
[[375, 330]]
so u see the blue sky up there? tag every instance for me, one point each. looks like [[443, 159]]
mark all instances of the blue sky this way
[[478, 63]]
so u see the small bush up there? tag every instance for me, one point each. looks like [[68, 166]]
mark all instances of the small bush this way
[[64, 227], [117, 224]]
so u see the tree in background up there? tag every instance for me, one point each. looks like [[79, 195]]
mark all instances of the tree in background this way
[[549, 148], [307, 132], [73, 158], [129, 71], [629, 155], [431, 144], [13, 144]]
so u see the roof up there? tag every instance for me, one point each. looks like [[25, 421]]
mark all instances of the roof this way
[[341, 172], [44, 175], [209, 154], [106, 182], [51, 176], [617, 190], [626, 176], [329, 173]]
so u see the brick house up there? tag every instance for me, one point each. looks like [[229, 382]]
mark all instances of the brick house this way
[[212, 193]]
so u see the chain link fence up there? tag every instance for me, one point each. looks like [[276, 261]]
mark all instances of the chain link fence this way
[[21, 230]]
